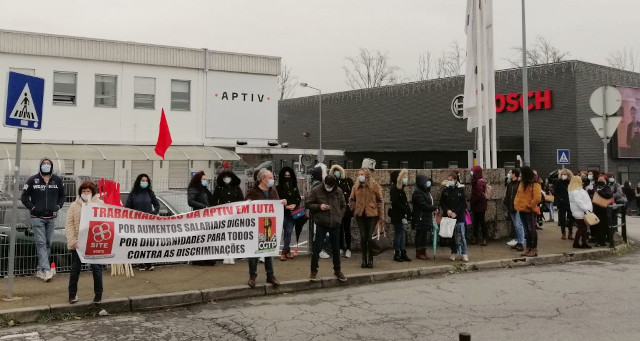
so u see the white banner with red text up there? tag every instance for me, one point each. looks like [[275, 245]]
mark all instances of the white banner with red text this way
[[118, 235]]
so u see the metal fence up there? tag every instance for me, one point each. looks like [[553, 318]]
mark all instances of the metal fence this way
[[172, 201]]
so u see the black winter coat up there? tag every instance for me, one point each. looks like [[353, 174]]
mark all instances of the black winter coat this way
[[423, 208], [143, 200], [510, 195], [199, 197], [226, 193], [561, 197], [400, 208], [453, 198]]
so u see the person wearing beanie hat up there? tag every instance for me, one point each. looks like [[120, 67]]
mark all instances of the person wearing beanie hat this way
[[43, 195]]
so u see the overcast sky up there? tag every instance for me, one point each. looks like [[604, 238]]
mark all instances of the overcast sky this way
[[314, 37]]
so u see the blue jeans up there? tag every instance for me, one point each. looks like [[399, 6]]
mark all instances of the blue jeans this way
[[43, 233], [517, 224], [550, 207], [287, 229], [459, 239], [399, 236]]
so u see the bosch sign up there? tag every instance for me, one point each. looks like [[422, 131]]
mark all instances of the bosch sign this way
[[538, 100]]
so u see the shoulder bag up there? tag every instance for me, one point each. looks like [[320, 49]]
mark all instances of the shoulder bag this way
[[591, 219], [447, 226], [600, 201]]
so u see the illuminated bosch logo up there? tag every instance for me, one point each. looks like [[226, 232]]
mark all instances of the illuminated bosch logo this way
[[101, 232]]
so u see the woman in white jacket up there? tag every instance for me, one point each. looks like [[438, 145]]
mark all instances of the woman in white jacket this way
[[580, 203]]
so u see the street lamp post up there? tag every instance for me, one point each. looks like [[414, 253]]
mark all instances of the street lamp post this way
[[320, 151]]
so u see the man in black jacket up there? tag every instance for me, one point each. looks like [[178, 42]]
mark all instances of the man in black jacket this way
[[327, 206], [43, 195]]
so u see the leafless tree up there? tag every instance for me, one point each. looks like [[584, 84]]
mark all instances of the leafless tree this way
[[448, 64], [369, 69], [625, 59], [424, 66], [286, 82], [542, 52]]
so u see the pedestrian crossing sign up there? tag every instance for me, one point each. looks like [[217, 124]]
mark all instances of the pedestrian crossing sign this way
[[24, 102], [563, 156]]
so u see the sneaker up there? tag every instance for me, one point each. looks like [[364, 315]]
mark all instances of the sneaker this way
[[73, 299], [150, 267], [324, 254], [341, 253], [341, 277], [313, 277], [97, 298], [452, 257], [231, 261], [465, 258], [261, 259], [40, 274], [512, 242], [225, 261], [347, 254], [48, 275]]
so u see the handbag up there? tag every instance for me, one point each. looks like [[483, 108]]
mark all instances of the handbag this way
[[447, 226], [379, 243], [549, 198], [591, 219], [467, 217], [600, 201], [298, 213]]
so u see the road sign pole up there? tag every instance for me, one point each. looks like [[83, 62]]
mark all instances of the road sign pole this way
[[14, 217], [604, 126]]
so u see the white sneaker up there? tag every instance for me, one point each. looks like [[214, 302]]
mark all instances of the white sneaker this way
[[261, 259], [512, 242], [347, 254], [40, 274], [48, 275], [324, 254], [225, 261], [452, 257], [465, 258], [230, 261], [341, 253]]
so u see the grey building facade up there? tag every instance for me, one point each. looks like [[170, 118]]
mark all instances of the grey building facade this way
[[411, 125]]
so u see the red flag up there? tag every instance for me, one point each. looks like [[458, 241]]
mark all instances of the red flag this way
[[164, 136]]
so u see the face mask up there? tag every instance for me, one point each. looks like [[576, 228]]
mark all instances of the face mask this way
[[564, 177], [450, 183], [144, 184], [336, 174], [204, 183], [508, 175], [270, 183], [612, 180], [45, 169], [329, 189], [362, 178], [509, 180], [590, 177], [226, 180], [86, 197], [428, 184], [405, 181]]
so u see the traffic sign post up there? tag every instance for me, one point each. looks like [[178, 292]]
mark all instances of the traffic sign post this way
[[605, 101], [25, 95], [563, 156]]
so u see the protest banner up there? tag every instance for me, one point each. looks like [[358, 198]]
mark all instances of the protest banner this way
[[110, 234]]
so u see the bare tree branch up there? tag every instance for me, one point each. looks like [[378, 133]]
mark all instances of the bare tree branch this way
[[370, 69], [625, 59], [450, 63], [542, 52], [286, 82], [424, 66]]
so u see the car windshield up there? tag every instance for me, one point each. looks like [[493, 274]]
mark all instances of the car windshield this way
[[177, 200]]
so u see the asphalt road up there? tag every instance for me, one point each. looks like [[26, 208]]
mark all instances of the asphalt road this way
[[587, 300]]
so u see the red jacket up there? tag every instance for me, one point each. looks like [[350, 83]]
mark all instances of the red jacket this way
[[478, 187]]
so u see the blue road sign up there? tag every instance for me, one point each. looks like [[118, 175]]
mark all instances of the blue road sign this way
[[563, 156], [25, 95]]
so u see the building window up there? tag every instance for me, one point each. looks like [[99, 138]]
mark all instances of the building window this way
[[106, 87], [348, 164], [144, 93], [180, 95], [384, 165], [427, 165], [404, 164], [509, 165], [453, 164], [64, 88]]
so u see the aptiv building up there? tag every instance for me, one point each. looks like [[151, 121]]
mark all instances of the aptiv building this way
[[419, 125]]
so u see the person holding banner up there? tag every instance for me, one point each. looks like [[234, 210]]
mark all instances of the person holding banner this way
[[288, 190], [199, 197], [143, 199], [263, 190], [368, 208], [86, 195], [327, 205], [227, 191]]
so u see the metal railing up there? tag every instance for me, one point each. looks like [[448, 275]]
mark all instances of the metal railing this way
[[615, 212]]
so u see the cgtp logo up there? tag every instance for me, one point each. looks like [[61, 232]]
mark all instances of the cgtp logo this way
[[267, 237], [100, 238]]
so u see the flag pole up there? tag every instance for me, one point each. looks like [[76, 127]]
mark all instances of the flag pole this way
[[525, 91]]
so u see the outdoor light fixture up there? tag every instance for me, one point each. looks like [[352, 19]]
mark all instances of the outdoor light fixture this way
[[284, 145], [272, 143], [241, 143]]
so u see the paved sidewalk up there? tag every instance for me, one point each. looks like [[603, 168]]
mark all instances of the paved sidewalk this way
[[179, 278]]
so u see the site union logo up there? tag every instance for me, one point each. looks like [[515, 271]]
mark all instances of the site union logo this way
[[100, 239], [267, 236], [242, 97]]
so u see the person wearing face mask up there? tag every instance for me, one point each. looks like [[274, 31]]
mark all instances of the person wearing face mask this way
[[399, 213], [227, 191], [616, 189], [561, 200], [367, 206], [263, 189], [630, 195], [199, 197], [453, 203], [549, 190], [592, 176], [326, 204], [478, 204], [526, 203], [599, 232], [143, 199], [580, 204], [513, 182], [288, 189], [43, 195], [423, 208], [86, 195], [345, 184]]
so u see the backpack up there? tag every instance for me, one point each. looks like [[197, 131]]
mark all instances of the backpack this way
[[488, 191]]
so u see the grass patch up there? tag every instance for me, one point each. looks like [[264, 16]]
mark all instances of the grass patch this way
[[4, 321], [46, 318]]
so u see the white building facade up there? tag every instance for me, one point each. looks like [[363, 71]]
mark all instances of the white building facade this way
[[103, 99]]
